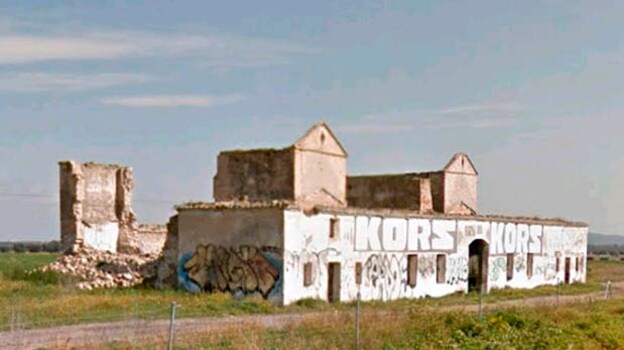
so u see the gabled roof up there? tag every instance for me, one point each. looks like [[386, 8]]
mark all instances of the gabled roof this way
[[309, 140], [460, 163]]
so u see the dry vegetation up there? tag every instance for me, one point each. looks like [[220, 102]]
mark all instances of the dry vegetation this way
[[46, 299]]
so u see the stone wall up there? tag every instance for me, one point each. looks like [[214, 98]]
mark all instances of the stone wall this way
[[406, 191], [145, 239], [95, 205], [96, 210], [452, 190], [256, 175]]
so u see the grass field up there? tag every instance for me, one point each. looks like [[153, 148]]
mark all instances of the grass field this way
[[599, 325], [46, 299]]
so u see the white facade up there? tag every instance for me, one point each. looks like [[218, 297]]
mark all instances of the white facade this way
[[102, 236], [382, 245]]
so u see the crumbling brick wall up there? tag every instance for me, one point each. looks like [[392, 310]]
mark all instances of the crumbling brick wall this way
[[256, 175], [397, 191], [95, 205]]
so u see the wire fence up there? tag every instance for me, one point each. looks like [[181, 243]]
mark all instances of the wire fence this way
[[354, 325]]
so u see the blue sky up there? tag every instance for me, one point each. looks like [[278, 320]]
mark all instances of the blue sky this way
[[530, 90]]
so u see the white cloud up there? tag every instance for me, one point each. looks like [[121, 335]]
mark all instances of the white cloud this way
[[210, 50], [492, 107], [478, 116], [25, 49], [173, 100], [39, 81]]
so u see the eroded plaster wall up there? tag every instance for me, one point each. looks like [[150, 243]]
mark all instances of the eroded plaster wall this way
[[320, 174], [382, 246], [234, 250], [95, 205], [460, 189], [255, 174]]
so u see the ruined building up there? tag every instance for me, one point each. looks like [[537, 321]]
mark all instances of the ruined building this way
[[289, 224], [96, 210]]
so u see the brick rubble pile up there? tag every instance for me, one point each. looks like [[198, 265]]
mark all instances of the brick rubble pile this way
[[97, 269]]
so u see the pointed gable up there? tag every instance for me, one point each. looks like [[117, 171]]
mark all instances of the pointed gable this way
[[460, 163], [320, 138]]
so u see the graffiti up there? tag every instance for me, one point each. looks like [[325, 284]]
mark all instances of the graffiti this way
[[393, 234], [387, 275], [546, 269], [520, 262], [457, 270], [498, 268], [294, 261], [423, 235], [427, 265], [246, 270]]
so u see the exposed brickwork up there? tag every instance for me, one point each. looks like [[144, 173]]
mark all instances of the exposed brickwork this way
[[256, 175], [96, 210]]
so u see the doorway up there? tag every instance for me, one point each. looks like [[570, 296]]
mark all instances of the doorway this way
[[478, 253], [333, 282]]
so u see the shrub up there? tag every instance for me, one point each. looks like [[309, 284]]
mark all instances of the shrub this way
[[34, 247], [19, 247], [52, 247]]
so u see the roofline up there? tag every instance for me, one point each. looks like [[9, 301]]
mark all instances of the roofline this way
[[402, 213], [331, 132]]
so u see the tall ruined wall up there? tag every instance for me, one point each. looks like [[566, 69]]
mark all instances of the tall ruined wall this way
[[378, 246], [256, 174], [235, 250], [460, 189], [389, 191], [95, 205]]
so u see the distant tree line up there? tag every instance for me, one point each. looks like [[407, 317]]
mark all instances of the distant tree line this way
[[606, 249], [30, 247]]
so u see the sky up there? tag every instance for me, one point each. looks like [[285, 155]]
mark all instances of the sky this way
[[531, 90]]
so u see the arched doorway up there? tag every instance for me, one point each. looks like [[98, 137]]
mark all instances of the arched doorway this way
[[478, 253]]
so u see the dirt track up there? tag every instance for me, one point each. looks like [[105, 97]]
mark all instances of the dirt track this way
[[80, 336]]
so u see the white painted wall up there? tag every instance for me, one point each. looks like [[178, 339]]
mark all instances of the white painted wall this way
[[382, 246], [102, 236]]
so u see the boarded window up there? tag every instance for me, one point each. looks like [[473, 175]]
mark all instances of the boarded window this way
[[412, 269], [307, 274], [358, 273], [558, 265], [579, 264], [440, 268], [334, 228], [510, 266], [529, 265]]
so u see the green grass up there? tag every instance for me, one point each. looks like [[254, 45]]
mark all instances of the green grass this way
[[47, 299], [599, 325]]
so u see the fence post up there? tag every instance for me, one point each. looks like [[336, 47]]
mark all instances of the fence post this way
[[607, 294], [171, 325], [558, 290], [357, 321]]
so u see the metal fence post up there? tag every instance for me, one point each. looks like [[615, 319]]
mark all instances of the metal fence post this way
[[558, 290], [171, 325], [357, 322]]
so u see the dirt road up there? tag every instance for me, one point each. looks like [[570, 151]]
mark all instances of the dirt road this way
[[134, 331]]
